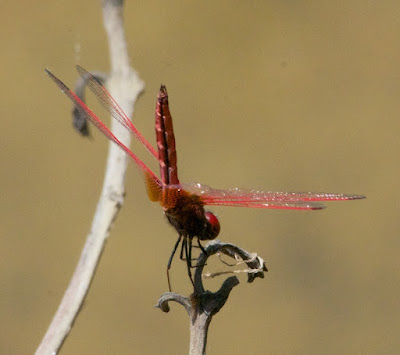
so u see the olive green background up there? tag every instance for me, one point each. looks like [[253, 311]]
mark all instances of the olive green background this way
[[273, 95]]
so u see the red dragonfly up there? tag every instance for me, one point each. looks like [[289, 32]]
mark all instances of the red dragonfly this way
[[183, 204]]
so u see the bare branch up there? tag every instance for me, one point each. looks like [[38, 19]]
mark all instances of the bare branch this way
[[125, 86], [172, 296]]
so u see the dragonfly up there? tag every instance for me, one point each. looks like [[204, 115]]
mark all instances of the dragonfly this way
[[184, 204]]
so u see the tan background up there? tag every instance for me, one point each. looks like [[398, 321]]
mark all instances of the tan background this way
[[279, 95]]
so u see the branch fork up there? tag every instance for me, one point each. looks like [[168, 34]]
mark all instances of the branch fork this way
[[202, 305]]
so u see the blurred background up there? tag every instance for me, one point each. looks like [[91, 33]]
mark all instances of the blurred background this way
[[273, 95]]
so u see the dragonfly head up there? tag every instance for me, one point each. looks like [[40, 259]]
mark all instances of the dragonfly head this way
[[212, 227]]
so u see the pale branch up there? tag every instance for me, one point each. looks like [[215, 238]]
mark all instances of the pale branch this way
[[125, 86], [202, 305]]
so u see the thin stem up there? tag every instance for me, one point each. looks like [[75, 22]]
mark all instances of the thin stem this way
[[125, 86]]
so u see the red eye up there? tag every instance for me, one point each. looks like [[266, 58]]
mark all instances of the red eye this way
[[213, 225]]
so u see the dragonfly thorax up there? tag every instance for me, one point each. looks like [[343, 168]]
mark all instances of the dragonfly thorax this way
[[190, 219]]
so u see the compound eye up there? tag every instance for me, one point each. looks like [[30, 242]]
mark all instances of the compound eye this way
[[213, 225]]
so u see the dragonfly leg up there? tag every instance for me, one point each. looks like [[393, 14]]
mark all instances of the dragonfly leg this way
[[188, 253], [204, 252], [184, 257], [182, 250], [170, 260], [201, 247], [191, 257]]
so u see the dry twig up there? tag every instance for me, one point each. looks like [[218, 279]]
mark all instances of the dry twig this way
[[125, 86]]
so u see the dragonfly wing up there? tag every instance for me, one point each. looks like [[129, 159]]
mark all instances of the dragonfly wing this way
[[271, 205], [152, 180], [265, 199], [112, 107]]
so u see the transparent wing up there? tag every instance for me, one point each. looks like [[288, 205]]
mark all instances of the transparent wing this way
[[265, 199], [151, 179], [112, 107]]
